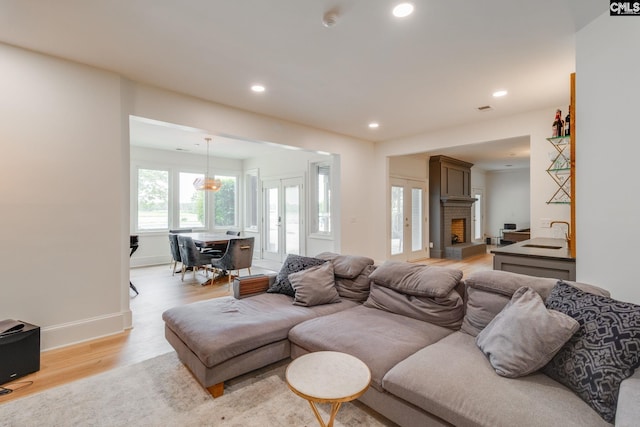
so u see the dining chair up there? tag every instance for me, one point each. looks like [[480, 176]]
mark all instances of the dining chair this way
[[175, 251], [191, 256], [239, 255]]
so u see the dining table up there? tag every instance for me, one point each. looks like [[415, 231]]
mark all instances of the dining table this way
[[207, 239]]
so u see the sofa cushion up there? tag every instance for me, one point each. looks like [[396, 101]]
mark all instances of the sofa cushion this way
[[346, 266], [416, 279], [446, 311], [221, 328], [292, 264], [315, 286], [356, 289], [378, 338], [488, 292], [453, 380], [604, 351], [524, 336]]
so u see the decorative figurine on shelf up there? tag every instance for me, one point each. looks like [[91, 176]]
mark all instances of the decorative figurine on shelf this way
[[557, 125], [567, 123]]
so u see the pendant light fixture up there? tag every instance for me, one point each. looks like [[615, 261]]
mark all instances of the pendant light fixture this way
[[207, 183]]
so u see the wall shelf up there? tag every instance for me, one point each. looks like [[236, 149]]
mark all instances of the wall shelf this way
[[560, 170]]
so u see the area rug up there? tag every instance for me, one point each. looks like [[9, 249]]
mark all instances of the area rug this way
[[162, 392]]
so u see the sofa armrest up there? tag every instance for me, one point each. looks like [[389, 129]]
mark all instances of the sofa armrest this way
[[628, 410], [252, 285]]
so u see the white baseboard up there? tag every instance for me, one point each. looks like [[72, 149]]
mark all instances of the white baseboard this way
[[149, 260], [84, 330]]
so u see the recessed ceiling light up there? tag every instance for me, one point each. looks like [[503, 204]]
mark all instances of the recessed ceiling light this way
[[499, 93], [258, 88], [374, 125], [403, 10]]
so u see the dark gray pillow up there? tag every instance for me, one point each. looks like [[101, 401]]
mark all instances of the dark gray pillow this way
[[417, 279], [314, 286], [292, 264], [524, 336], [603, 352]]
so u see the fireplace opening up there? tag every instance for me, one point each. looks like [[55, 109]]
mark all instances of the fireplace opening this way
[[458, 230]]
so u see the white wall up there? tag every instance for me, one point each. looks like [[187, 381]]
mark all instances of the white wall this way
[[410, 167], [607, 202], [64, 187], [62, 173], [507, 199]]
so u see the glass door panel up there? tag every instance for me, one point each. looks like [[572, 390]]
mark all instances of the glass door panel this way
[[397, 220], [292, 222], [416, 219], [272, 220]]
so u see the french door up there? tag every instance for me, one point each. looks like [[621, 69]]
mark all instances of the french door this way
[[283, 218], [408, 220]]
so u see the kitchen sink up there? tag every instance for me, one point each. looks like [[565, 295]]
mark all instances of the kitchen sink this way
[[541, 246]]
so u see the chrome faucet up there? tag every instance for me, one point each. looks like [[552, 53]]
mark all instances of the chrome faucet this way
[[567, 234]]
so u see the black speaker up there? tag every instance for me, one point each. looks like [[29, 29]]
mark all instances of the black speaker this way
[[19, 349]]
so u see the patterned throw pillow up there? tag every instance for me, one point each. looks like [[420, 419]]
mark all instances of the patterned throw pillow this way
[[292, 264], [603, 352]]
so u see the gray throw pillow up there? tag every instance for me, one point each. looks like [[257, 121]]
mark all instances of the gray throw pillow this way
[[314, 286], [346, 266], [524, 336], [292, 264], [417, 279]]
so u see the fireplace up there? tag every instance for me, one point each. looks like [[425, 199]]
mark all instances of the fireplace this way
[[450, 205], [458, 228]]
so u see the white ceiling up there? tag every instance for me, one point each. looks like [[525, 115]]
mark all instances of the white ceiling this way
[[428, 71]]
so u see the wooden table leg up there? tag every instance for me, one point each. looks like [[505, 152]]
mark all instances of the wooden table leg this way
[[334, 410], [332, 415]]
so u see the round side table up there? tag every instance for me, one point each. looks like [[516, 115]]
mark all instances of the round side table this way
[[328, 377]]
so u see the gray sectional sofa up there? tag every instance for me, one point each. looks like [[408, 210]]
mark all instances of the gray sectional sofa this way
[[417, 328]]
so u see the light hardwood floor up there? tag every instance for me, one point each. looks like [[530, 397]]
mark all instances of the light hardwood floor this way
[[159, 290]]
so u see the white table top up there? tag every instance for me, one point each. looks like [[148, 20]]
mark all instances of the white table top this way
[[328, 376]]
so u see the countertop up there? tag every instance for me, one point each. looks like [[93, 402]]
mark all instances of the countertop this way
[[521, 249]]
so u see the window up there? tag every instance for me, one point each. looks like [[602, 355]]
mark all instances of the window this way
[[225, 202], [153, 199], [321, 198], [164, 198], [251, 203], [192, 202]]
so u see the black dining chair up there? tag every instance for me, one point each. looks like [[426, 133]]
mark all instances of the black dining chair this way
[[191, 257], [239, 255], [175, 251]]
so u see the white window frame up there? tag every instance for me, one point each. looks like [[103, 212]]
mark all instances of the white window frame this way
[[252, 200], [314, 167]]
